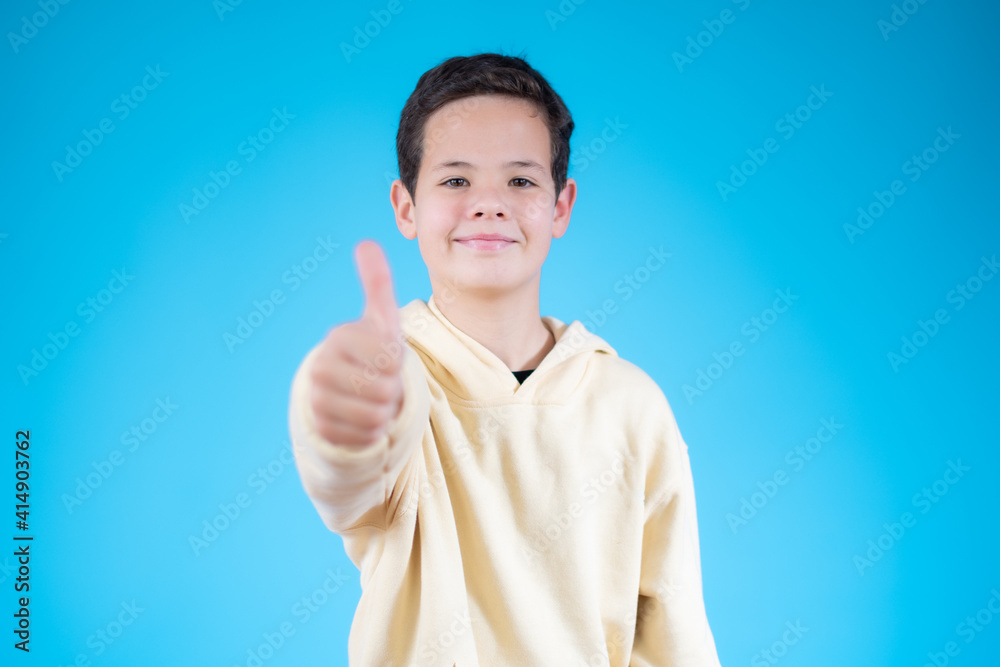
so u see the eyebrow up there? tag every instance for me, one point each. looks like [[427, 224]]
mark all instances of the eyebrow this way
[[521, 164]]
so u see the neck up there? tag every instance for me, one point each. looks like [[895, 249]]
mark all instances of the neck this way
[[508, 324]]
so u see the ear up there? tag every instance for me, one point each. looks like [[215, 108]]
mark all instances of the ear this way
[[403, 206], [563, 208]]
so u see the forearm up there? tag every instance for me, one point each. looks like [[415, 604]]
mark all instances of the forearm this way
[[346, 482]]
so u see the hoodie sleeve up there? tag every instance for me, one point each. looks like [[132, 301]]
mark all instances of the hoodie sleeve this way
[[672, 627], [346, 484]]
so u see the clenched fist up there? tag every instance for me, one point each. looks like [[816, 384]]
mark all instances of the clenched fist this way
[[357, 375]]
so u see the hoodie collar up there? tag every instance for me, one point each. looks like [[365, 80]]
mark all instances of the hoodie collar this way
[[471, 373]]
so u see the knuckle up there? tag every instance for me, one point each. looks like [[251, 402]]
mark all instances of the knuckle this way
[[369, 418], [330, 433], [382, 359], [379, 392], [386, 413]]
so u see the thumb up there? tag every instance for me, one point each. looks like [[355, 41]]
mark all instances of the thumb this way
[[380, 303]]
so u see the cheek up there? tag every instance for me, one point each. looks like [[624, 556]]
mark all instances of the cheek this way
[[452, 209], [536, 205], [440, 216], [541, 243]]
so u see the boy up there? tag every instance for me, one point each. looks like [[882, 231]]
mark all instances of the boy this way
[[511, 490]]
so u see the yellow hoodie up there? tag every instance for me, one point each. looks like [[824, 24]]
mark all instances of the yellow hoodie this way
[[548, 523]]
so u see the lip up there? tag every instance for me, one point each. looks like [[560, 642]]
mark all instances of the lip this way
[[485, 237], [480, 243]]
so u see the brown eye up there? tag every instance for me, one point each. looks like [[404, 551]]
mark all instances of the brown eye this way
[[454, 179], [526, 181]]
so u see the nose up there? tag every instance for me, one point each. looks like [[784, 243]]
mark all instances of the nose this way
[[489, 203]]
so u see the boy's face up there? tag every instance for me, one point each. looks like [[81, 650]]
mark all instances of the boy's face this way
[[485, 169]]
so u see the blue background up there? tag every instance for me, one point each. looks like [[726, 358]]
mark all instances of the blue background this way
[[683, 127]]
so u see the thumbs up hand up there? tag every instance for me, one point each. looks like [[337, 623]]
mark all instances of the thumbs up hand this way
[[357, 376]]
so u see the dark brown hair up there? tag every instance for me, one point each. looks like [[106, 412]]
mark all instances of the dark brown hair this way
[[482, 74]]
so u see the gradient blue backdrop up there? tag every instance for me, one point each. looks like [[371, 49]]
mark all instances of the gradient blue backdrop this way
[[681, 127]]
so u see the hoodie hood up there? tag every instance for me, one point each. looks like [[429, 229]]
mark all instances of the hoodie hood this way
[[470, 373]]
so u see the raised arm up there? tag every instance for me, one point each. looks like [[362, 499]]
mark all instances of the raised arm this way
[[359, 407]]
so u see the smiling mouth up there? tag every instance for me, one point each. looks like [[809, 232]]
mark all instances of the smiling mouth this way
[[485, 244]]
